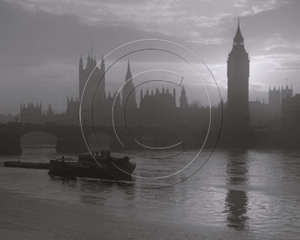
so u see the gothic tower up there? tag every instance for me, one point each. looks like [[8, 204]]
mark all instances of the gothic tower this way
[[238, 82], [128, 95], [94, 74], [183, 99], [286, 92], [274, 101]]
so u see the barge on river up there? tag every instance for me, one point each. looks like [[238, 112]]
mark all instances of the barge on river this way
[[32, 165], [102, 166]]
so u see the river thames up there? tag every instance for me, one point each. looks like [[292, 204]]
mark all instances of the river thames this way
[[236, 194]]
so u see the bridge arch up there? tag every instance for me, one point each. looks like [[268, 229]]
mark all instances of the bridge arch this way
[[68, 137], [35, 139]]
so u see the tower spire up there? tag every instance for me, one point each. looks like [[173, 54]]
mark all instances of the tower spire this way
[[128, 74], [80, 63], [102, 63], [238, 83], [238, 39], [129, 89], [91, 48], [128, 67]]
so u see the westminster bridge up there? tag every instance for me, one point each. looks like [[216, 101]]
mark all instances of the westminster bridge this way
[[69, 138]]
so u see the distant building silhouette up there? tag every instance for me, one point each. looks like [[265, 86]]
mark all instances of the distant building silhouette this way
[[246, 123], [268, 115], [259, 113], [290, 113], [183, 98], [286, 92], [35, 114], [128, 94], [274, 100], [94, 74], [31, 113], [72, 112], [158, 100], [238, 83]]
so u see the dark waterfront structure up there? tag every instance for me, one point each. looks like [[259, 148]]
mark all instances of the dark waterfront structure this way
[[92, 73], [68, 138], [244, 124], [236, 124], [238, 83], [128, 96], [257, 124], [144, 108]]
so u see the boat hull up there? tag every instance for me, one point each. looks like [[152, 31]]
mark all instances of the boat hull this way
[[117, 171], [31, 165]]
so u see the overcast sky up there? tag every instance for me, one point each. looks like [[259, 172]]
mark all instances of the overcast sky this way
[[41, 42]]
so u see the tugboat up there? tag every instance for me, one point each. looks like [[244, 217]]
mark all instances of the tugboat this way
[[101, 166]]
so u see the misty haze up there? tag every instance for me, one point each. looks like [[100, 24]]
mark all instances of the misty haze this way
[[149, 119]]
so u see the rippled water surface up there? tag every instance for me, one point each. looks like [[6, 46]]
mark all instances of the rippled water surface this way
[[237, 194]]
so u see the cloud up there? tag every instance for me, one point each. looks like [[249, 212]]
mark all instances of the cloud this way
[[281, 44], [41, 39], [146, 15], [255, 6], [282, 52], [289, 64], [197, 38], [257, 86], [240, 3], [170, 18], [208, 22]]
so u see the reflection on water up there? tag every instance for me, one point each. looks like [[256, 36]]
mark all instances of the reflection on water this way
[[252, 194], [236, 203], [236, 200], [91, 189], [99, 186]]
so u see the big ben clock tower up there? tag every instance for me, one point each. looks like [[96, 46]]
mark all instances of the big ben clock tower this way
[[238, 83]]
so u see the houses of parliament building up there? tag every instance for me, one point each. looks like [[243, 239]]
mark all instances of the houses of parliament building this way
[[160, 108], [150, 110]]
